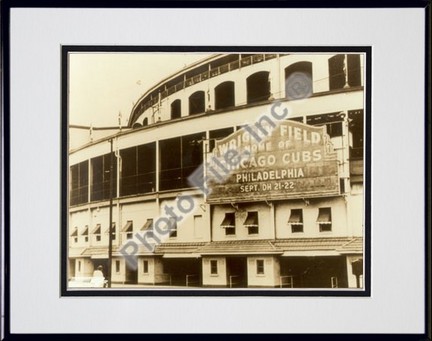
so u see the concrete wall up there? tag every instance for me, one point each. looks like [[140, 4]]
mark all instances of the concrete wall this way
[[138, 213], [265, 221], [217, 280], [118, 276], [271, 275], [155, 267], [83, 267], [312, 106], [192, 206], [310, 215]]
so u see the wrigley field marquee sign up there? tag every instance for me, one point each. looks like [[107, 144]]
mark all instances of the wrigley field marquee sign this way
[[291, 160]]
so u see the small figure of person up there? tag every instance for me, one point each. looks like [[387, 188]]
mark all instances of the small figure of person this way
[[98, 272], [98, 279]]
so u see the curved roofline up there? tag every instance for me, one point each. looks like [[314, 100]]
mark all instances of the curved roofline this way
[[172, 76]]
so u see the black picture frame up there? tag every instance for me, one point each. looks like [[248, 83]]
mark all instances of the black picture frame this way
[[6, 8]]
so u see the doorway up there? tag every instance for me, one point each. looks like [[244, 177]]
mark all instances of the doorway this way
[[131, 276], [236, 272]]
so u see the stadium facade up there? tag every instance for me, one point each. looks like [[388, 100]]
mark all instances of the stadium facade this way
[[290, 215]]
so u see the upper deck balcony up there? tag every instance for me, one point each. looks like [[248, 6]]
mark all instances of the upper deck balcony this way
[[196, 74]]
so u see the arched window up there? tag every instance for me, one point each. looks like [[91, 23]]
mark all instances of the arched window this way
[[145, 122], [196, 103], [258, 87], [136, 125], [298, 80], [176, 109], [224, 95]]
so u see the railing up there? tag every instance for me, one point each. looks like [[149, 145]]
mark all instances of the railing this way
[[87, 282], [334, 282], [286, 281], [231, 280], [246, 61], [192, 280], [163, 279]]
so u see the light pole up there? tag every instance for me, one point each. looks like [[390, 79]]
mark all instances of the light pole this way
[[110, 215]]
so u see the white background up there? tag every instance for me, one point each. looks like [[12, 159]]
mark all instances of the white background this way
[[397, 40]]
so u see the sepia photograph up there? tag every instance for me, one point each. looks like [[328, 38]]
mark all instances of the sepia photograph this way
[[216, 170]]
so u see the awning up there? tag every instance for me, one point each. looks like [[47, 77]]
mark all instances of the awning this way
[[85, 232], [97, 229], [75, 252], [324, 216], [310, 253], [148, 225], [128, 227], [75, 232], [296, 217], [239, 247], [113, 227], [181, 255], [229, 221], [251, 220]]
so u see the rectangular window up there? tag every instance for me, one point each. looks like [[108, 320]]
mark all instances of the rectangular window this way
[[296, 220], [260, 267], [75, 235], [229, 224], [128, 229], [79, 266], [332, 122], [251, 223], [113, 231], [146, 168], [128, 171], [85, 233], [117, 266], [192, 155], [342, 186], [213, 267], [336, 72], [79, 183], [179, 158], [334, 129], [100, 177], [97, 232], [217, 135], [145, 266], [230, 231], [138, 169], [170, 164], [148, 227], [344, 70], [324, 219], [354, 69]]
